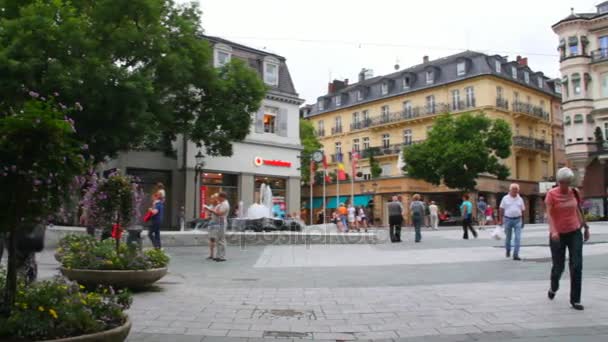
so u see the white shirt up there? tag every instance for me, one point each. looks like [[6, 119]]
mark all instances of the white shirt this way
[[223, 209], [351, 211], [512, 206], [433, 209]]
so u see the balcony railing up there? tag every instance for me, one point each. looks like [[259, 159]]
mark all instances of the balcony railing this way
[[337, 157], [394, 149], [502, 103], [599, 55], [410, 113], [320, 132], [531, 143], [360, 124], [530, 109], [336, 130]]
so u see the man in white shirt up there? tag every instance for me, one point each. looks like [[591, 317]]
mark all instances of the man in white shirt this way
[[434, 211], [511, 217], [221, 211]]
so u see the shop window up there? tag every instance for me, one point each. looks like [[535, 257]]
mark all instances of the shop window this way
[[278, 187], [221, 182]]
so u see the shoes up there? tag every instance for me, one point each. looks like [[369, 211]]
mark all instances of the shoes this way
[[465, 237], [219, 259], [516, 257], [210, 258], [508, 255], [577, 306], [550, 294]]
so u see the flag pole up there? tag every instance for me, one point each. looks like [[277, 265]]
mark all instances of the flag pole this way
[[324, 202], [311, 181], [353, 164]]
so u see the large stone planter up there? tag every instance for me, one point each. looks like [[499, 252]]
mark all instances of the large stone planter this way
[[118, 334], [133, 279]]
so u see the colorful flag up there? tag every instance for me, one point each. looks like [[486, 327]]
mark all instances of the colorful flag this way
[[340, 172], [355, 160], [325, 174], [312, 172]]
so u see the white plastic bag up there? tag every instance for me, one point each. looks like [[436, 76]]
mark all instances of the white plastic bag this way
[[498, 233]]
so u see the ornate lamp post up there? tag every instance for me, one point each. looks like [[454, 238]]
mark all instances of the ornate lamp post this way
[[198, 168]]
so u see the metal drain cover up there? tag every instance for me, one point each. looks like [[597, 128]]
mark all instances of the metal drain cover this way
[[286, 334], [288, 314], [245, 279]]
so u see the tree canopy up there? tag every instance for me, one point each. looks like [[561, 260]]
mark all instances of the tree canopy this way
[[310, 144], [459, 149], [141, 69]]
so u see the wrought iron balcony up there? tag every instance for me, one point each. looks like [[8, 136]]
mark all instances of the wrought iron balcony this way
[[360, 124], [530, 109], [599, 55], [531, 143], [394, 149], [502, 103], [336, 130], [320, 132]]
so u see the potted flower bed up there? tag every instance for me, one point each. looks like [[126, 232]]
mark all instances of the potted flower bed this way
[[60, 310], [91, 262]]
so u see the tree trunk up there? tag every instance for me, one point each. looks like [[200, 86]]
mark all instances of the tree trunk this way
[[11, 276]]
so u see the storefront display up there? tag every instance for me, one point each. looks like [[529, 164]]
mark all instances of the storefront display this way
[[278, 187], [212, 183]]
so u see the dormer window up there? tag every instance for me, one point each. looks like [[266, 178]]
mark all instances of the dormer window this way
[[430, 77], [384, 88], [498, 66], [603, 8], [526, 77], [222, 54], [406, 82], [271, 71], [558, 87], [320, 105], [338, 100], [514, 72], [461, 68], [540, 82], [359, 95]]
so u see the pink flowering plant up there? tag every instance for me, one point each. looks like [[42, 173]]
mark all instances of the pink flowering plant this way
[[40, 157]]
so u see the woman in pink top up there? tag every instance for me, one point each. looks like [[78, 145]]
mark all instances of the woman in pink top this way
[[565, 222]]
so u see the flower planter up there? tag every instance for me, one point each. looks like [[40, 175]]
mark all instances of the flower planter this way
[[133, 279], [118, 334]]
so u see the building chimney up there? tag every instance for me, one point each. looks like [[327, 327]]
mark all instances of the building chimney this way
[[336, 86], [522, 61], [425, 59], [362, 75]]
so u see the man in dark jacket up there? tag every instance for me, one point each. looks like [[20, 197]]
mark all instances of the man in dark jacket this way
[[395, 219]]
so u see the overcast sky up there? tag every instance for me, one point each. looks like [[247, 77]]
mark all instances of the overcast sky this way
[[326, 39]]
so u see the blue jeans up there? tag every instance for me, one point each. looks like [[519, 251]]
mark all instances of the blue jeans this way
[[344, 223], [154, 234], [512, 225], [417, 220]]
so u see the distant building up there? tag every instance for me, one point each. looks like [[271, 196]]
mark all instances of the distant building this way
[[583, 47], [305, 111], [388, 113], [269, 154]]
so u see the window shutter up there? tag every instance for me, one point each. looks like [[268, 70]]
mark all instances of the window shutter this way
[[259, 121], [282, 122]]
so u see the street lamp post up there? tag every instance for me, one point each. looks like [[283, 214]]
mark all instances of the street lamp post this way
[[198, 167]]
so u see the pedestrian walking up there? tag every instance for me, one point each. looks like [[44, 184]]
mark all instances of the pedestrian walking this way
[[352, 222], [221, 210], [511, 217], [481, 212], [343, 212], [157, 210], [466, 210], [566, 220], [427, 214], [213, 225], [395, 219], [489, 215], [363, 218], [417, 208], [434, 212]]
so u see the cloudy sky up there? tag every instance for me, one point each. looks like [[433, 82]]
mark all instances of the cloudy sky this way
[[326, 39]]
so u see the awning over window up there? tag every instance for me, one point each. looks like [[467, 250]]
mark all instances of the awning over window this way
[[572, 41], [360, 200]]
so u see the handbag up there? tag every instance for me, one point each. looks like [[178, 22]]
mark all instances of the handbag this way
[[148, 216]]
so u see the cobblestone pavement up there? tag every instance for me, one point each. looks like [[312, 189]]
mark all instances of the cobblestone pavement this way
[[443, 289]]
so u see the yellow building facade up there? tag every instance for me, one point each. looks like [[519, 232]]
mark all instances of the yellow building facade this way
[[388, 123]]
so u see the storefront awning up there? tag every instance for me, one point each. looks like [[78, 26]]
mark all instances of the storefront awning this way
[[360, 200]]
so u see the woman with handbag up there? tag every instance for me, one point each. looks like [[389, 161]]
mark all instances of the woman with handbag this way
[[568, 230]]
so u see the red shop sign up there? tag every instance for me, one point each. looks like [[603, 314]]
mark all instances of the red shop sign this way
[[203, 202], [259, 161]]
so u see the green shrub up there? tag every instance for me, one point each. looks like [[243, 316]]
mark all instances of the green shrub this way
[[86, 252], [591, 217], [59, 308]]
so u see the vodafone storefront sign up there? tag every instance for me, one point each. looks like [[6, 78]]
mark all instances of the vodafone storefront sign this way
[[259, 161]]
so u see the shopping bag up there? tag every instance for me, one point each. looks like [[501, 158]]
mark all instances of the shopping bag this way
[[498, 233], [148, 216]]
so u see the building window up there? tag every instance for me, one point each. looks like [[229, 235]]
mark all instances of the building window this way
[[514, 72], [320, 128], [498, 66], [470, 100], [384, 112], [359, 95], [558, 87], [516, 129], [499, 93], [430, 104], [356, 145], [567, 120], [338, 100], [578, 118], [386, 140], [320, 105], [429, 77], [338, 147], [407, 137], [460, 68], [530, 132], [222, 54], [545, 168], [365, 115], [576, 84], [406, 82], [573, 44], [526, 77], [365, 143], [542, 105], [270, 119], [384, 88], [604, 81], [540, 82], [516, 96], [338, 121], [271, 71], [456, 99], [356, 118], [407, 109], [543, 135]]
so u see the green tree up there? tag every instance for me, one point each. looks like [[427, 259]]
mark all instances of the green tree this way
[[374, 165], [459, 149], [310, 144], [141, 68], [599, 137]]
